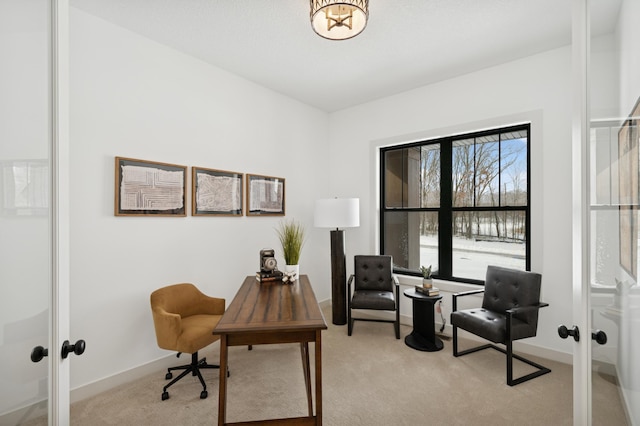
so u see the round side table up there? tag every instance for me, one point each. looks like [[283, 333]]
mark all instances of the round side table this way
[[423, 337]]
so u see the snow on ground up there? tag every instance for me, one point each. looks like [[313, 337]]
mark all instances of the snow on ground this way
[[471, 257]]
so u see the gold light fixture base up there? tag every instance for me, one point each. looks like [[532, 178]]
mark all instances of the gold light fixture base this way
[[339, 19]]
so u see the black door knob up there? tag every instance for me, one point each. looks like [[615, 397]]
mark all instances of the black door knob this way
[[565, 332], [38, 353], [77, 348], [599, 336]]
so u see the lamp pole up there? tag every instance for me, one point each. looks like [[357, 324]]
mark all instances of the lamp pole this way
[[336, 213], [338, 278]]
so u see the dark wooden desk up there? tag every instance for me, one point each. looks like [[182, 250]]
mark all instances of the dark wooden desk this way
[[268, 313]]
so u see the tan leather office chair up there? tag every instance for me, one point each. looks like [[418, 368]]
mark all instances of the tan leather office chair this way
[[184, 319]]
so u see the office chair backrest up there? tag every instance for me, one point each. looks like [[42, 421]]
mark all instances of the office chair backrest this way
[[508, 288], [179, 299], [373, 272]]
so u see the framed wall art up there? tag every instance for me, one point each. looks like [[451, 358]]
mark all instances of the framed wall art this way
[[628, 159], [148, 188], [215, 192], [265, 195]]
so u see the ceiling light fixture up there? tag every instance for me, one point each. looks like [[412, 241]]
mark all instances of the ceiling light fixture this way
[[339, 19]]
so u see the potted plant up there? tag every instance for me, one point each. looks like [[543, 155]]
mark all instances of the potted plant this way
[[291, 234], [427, 282]]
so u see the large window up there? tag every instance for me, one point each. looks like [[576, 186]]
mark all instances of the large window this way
[[457, 203]]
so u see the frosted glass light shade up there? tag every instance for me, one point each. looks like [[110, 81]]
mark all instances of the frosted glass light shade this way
[[339, 19], [337, 213]]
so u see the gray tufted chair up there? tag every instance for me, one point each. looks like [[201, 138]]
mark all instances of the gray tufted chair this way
[[374, 287], [509, 312]]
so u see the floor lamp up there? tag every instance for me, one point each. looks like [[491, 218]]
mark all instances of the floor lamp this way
[[336, 213]]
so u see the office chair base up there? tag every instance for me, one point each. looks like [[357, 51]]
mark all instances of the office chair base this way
[[510, 355], [193, 368]]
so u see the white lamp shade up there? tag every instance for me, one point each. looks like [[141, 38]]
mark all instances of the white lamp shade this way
[[337, 213]]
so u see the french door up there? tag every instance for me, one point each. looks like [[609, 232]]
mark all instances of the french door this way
[[34, 379], [605, 232]]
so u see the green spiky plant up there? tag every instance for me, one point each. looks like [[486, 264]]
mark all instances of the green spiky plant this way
[[291, 235], [426, 272]]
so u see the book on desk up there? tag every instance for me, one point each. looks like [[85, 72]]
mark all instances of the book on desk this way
[[269, 276]]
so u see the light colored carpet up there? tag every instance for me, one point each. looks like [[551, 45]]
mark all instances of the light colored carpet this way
[[370, 378]]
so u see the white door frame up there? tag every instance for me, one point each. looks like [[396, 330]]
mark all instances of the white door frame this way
[[580, 213], [59, 399]]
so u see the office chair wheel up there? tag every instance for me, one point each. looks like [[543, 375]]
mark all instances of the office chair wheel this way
[[204, 394], [165, 395], [168, 376]]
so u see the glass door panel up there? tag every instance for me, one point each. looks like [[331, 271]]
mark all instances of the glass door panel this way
[[25, 248], [613, 229]]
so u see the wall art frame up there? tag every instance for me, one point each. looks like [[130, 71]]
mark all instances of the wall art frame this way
[[628, 169], [265, 195], [216, 192], [149, 188]]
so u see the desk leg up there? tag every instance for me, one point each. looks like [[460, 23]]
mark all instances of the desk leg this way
[[222, 394], [318, 345], [304, 351]]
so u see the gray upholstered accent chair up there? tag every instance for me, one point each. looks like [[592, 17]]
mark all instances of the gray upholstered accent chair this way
[[374, 287], [509, 312]]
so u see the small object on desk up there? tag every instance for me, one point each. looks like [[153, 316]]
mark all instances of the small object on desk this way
[[269, 276], [431, 291], [289, 277], [268, 261]]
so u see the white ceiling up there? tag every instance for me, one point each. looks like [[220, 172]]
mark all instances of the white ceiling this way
[[407, 43]]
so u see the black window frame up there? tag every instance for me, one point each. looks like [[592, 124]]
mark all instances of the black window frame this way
[[446, 209]]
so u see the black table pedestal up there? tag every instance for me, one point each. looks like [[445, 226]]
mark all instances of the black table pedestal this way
[[423, 337]]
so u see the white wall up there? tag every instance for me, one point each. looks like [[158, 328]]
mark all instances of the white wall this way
[[536, 88], [135, 98]]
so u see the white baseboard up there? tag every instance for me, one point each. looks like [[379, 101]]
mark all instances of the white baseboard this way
[[127, 376]]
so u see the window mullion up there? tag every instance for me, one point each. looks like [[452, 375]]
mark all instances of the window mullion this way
[[445, 214]]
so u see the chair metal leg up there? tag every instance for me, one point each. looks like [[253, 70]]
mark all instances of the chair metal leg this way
[[397, 324], [509, 346], [540, 371], [455, 340], [509, 355]]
